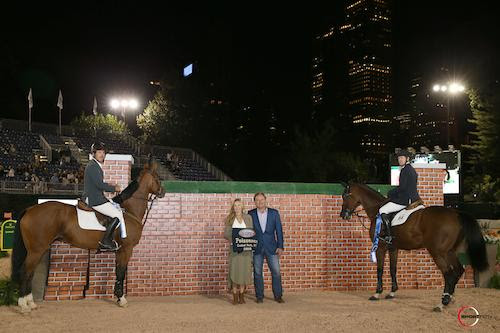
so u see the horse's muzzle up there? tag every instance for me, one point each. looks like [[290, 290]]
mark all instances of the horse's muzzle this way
[[345, 214], [161, 194]]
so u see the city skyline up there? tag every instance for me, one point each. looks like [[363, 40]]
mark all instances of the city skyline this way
[[123, 52]]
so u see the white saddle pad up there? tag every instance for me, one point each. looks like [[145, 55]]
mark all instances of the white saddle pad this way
[[88, 220], [403, 215]]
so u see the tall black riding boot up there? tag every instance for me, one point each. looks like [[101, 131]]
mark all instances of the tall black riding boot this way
[[388, 237], [108, 243]]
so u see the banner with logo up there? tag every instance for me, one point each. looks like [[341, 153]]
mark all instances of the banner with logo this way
[[244, 239]]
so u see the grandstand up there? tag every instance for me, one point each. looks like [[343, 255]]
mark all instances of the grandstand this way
[[42, 161]]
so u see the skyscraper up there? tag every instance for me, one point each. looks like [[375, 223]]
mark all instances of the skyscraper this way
[[352, 75], [367, 31], [329, 80]]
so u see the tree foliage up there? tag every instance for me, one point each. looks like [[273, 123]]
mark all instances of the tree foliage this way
[[100, 124], [165, 122]]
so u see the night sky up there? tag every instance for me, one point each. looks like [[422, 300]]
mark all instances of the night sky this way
[[107, 50]]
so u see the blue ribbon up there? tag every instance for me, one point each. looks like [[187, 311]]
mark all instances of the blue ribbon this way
[[378, 225]]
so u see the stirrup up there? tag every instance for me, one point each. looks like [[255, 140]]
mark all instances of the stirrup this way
[[104, 248], [386, 239]]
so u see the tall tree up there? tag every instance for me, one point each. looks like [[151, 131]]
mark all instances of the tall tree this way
[[164, 122], [484, 150]]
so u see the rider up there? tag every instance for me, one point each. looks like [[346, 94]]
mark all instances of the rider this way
[[94, 186], [403, 195]]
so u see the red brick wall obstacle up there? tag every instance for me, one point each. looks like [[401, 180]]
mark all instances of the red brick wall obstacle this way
[[183, 252]]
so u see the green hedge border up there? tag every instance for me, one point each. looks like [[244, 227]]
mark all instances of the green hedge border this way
[[174, 186]]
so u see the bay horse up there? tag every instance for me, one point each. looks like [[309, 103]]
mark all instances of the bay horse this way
[[40, 225], [438, 229]]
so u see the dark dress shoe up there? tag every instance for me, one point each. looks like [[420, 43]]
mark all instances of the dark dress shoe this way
[[260, 300], [279, 300]]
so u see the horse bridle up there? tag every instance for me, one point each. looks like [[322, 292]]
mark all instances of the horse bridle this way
[[354, 212], [151, 199]]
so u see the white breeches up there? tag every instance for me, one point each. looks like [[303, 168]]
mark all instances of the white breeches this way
[[109, 210], [390, 207]]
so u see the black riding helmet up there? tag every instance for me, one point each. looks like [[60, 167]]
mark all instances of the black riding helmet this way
[[403, 152], [97, 146]]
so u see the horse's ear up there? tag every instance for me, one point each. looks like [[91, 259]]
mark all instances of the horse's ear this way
[[153, 166]]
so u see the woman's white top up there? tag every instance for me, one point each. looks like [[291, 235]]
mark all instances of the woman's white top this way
[[238, 224]]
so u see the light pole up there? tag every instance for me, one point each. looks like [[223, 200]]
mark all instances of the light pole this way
[[124, 104], [450, 89]]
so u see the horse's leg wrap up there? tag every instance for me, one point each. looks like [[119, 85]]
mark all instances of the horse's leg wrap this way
[[445, 300], [380, 272], [120, 276], [31, 302], [393, 256], [23, 304]]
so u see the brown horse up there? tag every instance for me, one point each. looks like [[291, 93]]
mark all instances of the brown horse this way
[[438, 229], [42, 224]]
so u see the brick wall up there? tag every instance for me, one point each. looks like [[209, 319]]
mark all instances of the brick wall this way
[[182, 250]]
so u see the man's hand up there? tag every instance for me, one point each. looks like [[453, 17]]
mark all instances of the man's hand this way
[[279, 251], [118, 188]]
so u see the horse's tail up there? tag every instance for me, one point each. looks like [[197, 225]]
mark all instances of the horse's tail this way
[[476, 247], [19, 252]]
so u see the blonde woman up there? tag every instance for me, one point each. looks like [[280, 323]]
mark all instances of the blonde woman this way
[[240, 264]]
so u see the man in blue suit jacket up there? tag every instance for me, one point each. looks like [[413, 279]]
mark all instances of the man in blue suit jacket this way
[[267, 226]]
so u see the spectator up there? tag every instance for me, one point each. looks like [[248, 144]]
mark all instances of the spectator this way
[[54, 179], [175, 161], [35, 182], [43, 185], [11, 173], [12, 150], [36, 163]]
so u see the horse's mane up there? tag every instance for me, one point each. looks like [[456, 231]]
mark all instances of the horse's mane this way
[[370, 191], [127, 192]]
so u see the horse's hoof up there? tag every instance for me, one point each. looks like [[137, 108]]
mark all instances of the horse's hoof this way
[[438, 308], [25, 310], [446, 299], [373, 298], [390, 296], [122, 302], [33, 306]]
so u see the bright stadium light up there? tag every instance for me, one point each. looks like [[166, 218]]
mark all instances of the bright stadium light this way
[[133, 104], [456, 88], [115, 104], [124, 104], [450, 89]]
